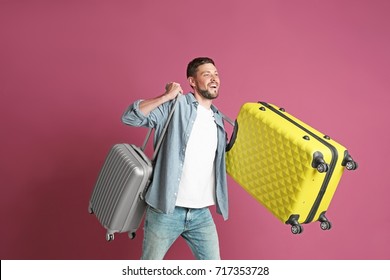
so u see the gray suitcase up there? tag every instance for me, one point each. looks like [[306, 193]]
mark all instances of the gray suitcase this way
[[117, 199]]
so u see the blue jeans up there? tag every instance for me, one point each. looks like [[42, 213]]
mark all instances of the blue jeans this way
[[196, 226]]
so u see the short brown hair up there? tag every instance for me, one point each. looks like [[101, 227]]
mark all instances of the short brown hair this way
[[195, 63]]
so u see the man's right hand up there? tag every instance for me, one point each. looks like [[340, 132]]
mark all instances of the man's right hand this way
[[172, 89]]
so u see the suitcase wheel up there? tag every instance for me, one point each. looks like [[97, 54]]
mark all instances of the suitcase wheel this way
[[319, 162], [109, 237], [326, 225], [132, 235], [351, 165], [322, 167], [348, 162], [296, 229], [90, 210], [324, 222]]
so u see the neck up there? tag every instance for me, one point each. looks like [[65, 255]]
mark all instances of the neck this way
[[203, 101]]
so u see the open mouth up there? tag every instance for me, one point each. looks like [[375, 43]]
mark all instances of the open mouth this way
[[214, 85]]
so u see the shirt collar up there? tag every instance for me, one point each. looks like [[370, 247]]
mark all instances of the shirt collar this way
[[191, 99]]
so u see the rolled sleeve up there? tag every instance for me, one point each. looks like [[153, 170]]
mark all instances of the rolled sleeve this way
[[133, 115]]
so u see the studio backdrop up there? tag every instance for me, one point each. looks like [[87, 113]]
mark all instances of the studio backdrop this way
[[68, 70]]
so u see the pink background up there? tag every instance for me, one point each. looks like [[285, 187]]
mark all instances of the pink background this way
[[68, 69]]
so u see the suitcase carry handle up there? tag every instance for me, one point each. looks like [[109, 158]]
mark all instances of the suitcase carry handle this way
[[226, 118], [234, 133]]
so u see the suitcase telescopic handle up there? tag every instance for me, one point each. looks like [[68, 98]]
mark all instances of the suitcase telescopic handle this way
[[163, 131]]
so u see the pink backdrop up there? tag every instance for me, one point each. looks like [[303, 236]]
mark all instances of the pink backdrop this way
[[68, 69]]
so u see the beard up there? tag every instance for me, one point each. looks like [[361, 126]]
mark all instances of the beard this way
[[207, 93]]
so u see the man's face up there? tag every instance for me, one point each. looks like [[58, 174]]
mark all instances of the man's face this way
[[206, 82]]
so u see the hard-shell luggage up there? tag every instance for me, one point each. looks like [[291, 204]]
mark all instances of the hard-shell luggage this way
[[117, 199], [289, 167]]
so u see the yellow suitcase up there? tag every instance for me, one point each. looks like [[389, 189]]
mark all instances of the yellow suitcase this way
[[289, 167]]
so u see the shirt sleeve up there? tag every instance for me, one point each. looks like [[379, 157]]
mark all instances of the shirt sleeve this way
[[133, 116]]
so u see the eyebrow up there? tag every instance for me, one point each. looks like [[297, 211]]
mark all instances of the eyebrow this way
[[207, 71]]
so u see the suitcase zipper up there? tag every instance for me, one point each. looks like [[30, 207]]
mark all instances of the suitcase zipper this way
[[332, 163]]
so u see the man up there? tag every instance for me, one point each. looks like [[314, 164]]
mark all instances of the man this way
[[190, 173]]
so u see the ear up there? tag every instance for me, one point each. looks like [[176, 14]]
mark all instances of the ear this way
[[191, 81]]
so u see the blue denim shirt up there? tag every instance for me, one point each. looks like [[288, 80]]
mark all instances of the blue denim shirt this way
[[163, 190]]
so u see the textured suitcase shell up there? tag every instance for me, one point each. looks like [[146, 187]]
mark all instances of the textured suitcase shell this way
[[117, 198], [272, 157]]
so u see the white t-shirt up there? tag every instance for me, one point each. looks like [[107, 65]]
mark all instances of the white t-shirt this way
[[197, 184]]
